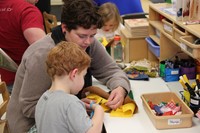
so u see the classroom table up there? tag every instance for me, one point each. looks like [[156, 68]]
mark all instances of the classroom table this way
[[140, 122]]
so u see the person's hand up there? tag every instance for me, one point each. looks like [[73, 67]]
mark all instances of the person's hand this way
[[116, 98], [87, 103]]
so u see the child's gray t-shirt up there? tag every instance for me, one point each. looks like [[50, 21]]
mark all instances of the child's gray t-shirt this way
[[59, 112]]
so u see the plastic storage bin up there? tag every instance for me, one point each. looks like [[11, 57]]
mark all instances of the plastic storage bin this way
[[167, 122], [168, 26], [189, 71], [179, 32], [171, 74], [187, 44], [153, 46]]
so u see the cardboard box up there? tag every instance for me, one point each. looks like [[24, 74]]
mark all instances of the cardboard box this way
[[167, 122]]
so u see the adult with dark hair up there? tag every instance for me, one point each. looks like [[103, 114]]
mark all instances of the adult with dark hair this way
[[21, 24], [79, 23]]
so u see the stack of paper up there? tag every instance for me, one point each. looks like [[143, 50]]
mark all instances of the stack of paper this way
[[137, 27]]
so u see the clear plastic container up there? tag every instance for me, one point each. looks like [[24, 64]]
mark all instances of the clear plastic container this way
[[117, 50]]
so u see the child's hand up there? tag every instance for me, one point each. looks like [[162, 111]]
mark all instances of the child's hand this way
[[93, 105], [94, 108], [87, 103]]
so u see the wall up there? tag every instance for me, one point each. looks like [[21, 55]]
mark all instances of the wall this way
[[56, 8]]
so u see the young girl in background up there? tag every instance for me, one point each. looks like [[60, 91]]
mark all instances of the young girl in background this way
[[112, 22]]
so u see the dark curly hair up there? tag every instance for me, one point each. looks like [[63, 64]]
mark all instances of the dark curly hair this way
[[82, 13]]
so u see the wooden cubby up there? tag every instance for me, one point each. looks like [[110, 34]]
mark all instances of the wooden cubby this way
[[135, 48], [169, 33]]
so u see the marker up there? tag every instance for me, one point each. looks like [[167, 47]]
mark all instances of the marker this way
[[191, 91], [185, 78], [184, 87]]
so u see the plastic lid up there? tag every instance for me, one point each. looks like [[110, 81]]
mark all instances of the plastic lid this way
[[117, 38]]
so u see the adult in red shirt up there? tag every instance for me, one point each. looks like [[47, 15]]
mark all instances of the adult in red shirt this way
[[21, 24]]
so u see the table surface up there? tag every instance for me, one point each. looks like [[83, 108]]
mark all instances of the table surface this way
[[140, 121]]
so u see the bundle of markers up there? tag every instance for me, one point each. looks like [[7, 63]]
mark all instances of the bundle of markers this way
[[191, 93], [194, 88]]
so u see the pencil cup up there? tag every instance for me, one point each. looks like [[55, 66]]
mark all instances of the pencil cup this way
[[194, 103]]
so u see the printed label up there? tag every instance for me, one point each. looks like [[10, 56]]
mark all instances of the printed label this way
[[174, 72], [174, 121], [183, 46], [195, 102], [167, 28]]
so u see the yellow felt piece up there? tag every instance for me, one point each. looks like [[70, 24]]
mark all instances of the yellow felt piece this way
[[99, 100], [126, 110], [94, 97], [104, 41]]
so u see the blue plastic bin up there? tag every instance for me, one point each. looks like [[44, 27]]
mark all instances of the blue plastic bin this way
[[153, 46], [171, 74]]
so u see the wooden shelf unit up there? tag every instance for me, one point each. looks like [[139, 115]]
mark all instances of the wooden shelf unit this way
[[135, 47], [169, 33]]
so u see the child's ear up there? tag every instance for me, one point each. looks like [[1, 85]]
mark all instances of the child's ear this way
[[73, 73]]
